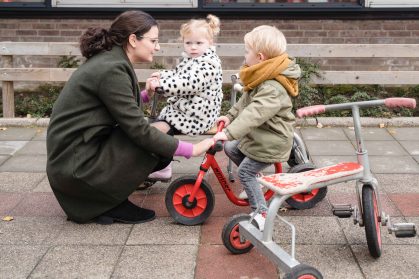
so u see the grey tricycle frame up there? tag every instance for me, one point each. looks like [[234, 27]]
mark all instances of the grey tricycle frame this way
[[264, 241]]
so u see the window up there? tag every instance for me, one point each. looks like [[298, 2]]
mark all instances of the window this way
[[391, 3], [22, 1], [126, 3], [281, 1]]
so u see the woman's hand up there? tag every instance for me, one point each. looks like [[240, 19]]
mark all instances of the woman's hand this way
[[220, 136], [150, 85], [223, 118], [202, 146]]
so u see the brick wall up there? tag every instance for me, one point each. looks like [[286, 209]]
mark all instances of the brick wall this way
[[232, 31]]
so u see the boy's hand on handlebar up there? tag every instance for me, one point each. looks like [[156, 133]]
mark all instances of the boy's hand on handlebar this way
[[202, 146], [223, 118], [220, 136]]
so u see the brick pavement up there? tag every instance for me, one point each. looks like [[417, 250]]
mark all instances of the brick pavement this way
[[40, 243]]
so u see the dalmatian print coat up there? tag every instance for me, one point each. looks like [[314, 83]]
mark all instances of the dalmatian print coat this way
[[195, 94]]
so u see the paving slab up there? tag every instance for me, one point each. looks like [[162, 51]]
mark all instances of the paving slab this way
[[38, 204], [323, 134], [310, 230], [8, 202], [405, 133], [329, 147], [370, 134], [393, 164], [19, 181], [41, 134], [77, 262], [20, 260], [30, 230], [411, 146], [3, 158], [156, 262], [11, 147], [408, 204], [215, 261], [396, 261], [165, 231], [384, 148], [92, 234], [33, 148], [333, 261], [398, 183], [322, 161], [43, 186], [15, 133], [25, 163]]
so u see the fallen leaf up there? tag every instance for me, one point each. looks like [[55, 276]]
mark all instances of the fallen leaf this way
[[8, 218], [319, 125], [382, 125]]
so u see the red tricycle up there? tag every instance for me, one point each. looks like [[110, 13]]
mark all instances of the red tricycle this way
[[190, 199]]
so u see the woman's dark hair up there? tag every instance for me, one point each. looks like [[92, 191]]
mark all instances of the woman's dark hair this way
[[95, 40]]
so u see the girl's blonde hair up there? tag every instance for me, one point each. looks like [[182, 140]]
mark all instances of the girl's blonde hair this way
[[211, 25], [267, 40]]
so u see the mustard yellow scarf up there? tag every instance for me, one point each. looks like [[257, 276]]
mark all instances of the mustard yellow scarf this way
[[272, 68]]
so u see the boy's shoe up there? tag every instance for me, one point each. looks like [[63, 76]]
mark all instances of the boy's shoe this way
[[126, 212], [161, 175], [260, 219], [243, 194]]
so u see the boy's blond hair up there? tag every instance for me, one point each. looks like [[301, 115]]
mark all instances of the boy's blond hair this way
[[210, 25], [267, 40]]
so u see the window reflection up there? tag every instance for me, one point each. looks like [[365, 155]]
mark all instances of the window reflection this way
[[22, 1], [281, 1]]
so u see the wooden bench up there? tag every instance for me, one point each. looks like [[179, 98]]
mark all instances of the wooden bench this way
[[10, 74]]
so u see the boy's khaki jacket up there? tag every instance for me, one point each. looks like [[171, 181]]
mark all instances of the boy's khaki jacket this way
[[263, 122]]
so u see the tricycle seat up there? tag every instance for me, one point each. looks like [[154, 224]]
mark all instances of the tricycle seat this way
[[292, 183]]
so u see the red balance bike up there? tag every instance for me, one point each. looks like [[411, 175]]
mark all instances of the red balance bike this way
[[190, 199]]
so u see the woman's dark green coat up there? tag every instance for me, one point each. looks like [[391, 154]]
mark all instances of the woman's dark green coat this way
[[100, 147]]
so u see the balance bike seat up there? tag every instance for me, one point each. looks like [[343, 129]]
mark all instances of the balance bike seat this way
[[293, 183]]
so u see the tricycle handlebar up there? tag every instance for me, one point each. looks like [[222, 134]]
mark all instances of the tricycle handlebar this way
[[389, 102]]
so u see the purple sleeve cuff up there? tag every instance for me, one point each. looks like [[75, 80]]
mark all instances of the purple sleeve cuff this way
[[144, 96], [184, 149]]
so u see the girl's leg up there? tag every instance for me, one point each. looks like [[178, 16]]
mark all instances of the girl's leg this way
[[247, 174], [232, 151], [162, 126]]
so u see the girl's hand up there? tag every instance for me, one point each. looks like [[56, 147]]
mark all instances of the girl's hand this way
[[224, 119], [220, 136], [202, 146], [156, 75], [150, 85]]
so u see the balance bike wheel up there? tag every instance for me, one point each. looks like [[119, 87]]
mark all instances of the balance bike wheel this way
[[183, 211], [370, 215], [293, 160], [306, 200], [303, 271], [231, 235]]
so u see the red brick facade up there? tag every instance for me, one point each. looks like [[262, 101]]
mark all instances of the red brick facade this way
[[232, 31]]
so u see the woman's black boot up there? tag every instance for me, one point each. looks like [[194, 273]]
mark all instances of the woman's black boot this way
[[126, 212]]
